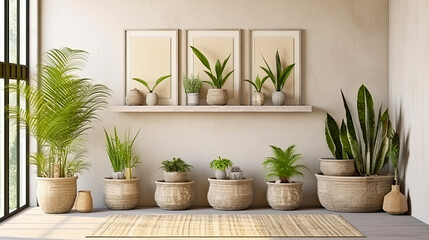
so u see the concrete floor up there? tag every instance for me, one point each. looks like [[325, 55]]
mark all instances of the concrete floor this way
[[32, 223]]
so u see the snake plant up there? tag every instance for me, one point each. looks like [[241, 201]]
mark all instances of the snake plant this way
[[217, 79], [258, 83], [278, 79], [158, 81], [336, 138]]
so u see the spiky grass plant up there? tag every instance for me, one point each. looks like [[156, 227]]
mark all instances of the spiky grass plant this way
[[60, 112], [283, 164], [192, 84], [281, 75], [175, 165], [120, 150]]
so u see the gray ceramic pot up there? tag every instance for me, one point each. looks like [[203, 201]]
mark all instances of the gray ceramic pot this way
[[278, 98]]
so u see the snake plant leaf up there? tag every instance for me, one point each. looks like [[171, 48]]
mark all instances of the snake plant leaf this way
[[347, 151], [144, 83], [366, 115], [218, 69], [278, 65], [202, 58], [159, 80], [332, 134], [349, 119]]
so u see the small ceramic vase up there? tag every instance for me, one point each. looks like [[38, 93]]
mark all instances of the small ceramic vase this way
[[395, 202], [117, 175], [134, 98], [258, 99], [220, 174], [84, 201], [193, 99], [278, 98], [152, 99]]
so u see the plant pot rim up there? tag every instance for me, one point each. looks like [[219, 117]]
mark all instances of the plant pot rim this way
[[223, 89], [162, 182], [356, 177], [336, 160], [289, 183], [56, 179], [110, 179], [229, 180], [175, 172]]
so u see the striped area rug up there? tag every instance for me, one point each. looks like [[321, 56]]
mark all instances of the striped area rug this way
[[224, 226]]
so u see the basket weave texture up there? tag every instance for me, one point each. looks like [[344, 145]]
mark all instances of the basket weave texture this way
[[56, 195], [174, 195], [121, 194], [230, 194]]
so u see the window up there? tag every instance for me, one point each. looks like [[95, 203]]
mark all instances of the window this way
[[13, 140]]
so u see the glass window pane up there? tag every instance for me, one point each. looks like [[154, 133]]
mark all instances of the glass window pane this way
[[1, 147], [22, 157], [2, 33], [13, 155], [13, 27], [22, 30]]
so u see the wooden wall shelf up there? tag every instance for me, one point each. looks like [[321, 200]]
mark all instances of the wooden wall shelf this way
[[212, 109]]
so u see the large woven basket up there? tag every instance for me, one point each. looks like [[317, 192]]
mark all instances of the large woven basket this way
[[284, 196], [230, 194], [174, 195], [56, 195], [121, 194], [354, 193]]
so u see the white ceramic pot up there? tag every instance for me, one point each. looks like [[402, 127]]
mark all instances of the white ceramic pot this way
[[235, 175], [193, 99], [117, 175], [134, 98], [258, 99], [278, 98], [217, 97], [151, 99], [220, 174]]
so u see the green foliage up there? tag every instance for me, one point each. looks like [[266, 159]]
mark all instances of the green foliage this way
[[283, 164], [175, 165], [60, 111], [278, 79], [158, 81], [220, 164], [336, 138], [258, 83], [120, 151], [394, 152], [369, 142], [218, 80], [192, 84]]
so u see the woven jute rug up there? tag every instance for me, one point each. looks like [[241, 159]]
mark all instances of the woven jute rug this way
[[224, 226]]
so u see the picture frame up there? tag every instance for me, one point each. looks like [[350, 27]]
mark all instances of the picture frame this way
[[263, 44], [216, 44], [150, 54]]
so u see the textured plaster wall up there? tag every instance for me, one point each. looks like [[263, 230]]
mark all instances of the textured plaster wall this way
[[409, 97], [344, 44]]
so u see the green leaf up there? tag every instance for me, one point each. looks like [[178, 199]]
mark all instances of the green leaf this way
[[332, 134], [215, 81], [279, 67], [209, 83], [159, 80], [347, 152], [202, 58], [284, 75], [143, 82], [226, 77], [253, 84], [218, 69], [225, 62]]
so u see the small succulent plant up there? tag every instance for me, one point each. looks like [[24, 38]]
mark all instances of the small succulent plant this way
[[235, 169]]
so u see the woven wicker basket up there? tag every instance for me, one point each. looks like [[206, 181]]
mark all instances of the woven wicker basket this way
[[121, 194], [354, 193], [230, 194], [337, 167], [174, 195], [284, 196], [56, 195]]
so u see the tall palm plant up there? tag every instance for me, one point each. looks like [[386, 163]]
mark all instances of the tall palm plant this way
[[60, 111]]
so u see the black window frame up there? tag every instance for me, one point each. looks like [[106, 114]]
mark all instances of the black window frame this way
[[17, 72]]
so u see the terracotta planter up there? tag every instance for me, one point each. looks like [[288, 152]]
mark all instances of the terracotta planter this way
[[84, 201], [284, 196], [230, 194], [193, 99], [121, 193], [278, 98], [175, 176], [353, 193], [56, 195], [174, 195], [395, 202], [337, 167], [217, 97], [258, 99]]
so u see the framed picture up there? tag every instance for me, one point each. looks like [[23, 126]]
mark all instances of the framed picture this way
[[216, 44], [265, 44], [150, 54]]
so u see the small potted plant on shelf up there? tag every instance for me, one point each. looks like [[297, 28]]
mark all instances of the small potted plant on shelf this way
[[220, 165], [175, 170], [151, 97], [192, 85], [61, 109], [121, 193], [216, 95], [284, 194], [258, 98], [175, 192], [395, 202], [235, 173], [279, 79], [336, 138]]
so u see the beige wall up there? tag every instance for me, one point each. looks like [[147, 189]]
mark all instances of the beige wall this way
[[409, 97], [344, 44]]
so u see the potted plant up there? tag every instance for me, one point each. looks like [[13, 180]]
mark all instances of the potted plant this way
[[192, 85], [175, 170], [175, 192], [336, 138], [152, 97], [236, 173], [284, 194], [220, 165], [395, 202], [121, 193], [60, 111], [216, 95], [368, 143], [278, 79], [258, 98]]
